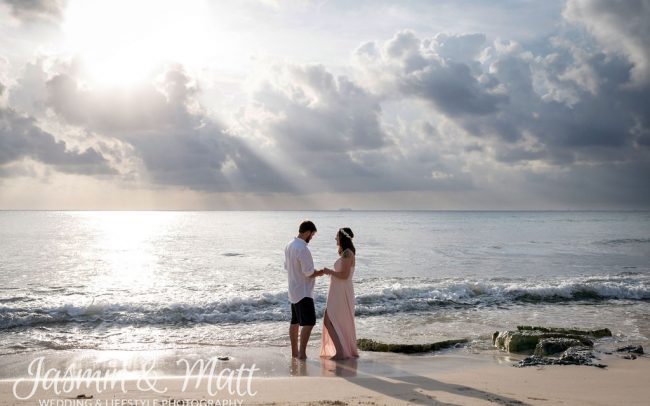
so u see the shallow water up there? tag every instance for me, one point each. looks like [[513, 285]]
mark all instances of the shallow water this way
[[170, 280]]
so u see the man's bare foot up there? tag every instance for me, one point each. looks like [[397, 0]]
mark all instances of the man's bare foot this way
[[302, 355]]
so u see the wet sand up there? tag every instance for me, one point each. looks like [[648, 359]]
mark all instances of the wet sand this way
[[454, 377]]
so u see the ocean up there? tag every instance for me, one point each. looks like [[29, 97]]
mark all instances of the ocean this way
[[183, 280]]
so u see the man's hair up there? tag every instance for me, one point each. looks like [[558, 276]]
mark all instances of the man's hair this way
[[306, 226]]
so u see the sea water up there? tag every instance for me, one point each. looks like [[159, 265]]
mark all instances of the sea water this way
[[179, 280]]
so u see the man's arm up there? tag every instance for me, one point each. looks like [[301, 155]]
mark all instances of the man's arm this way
[[318, 273], [306, 263]]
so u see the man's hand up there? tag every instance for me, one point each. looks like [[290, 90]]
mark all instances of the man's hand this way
[[317, 274]]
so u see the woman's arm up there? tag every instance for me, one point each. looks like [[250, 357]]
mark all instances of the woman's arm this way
[[346, 266]]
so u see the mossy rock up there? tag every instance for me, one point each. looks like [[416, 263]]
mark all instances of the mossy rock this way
[[550, 346], [597, 333], [366, 344], [523, 341]]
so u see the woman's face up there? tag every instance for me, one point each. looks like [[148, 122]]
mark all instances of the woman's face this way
[[337, 239]]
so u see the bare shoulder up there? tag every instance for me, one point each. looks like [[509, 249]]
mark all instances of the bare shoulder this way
[[347, 254]]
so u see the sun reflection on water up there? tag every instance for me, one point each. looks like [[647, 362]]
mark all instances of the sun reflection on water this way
[[126, 248]]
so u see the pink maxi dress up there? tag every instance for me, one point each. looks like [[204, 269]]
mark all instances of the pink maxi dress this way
[[340, 310]]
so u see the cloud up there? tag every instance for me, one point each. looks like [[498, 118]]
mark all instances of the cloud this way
[[559, 119], [20, 137], [327, 132], [562, 105], [311, 122], [159, 104], [511, 94], [621, 27], [314, 110], [607, 185], [439, 70], [37, 10], [168, 131]]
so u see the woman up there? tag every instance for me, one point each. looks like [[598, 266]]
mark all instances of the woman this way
[[339, 334]]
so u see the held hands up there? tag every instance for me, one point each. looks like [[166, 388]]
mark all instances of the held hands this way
[[321, 272]]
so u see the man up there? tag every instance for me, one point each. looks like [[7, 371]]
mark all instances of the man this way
[[300, 268]]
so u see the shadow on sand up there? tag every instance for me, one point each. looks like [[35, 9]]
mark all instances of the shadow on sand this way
[[395, 383]]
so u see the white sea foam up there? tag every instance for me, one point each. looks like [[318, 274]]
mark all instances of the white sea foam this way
[[373, 298]]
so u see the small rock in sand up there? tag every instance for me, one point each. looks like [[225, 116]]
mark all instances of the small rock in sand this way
[[636, 349]]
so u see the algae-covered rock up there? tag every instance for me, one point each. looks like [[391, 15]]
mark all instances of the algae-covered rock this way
[[572, 356], [366, 344], [517, 341], [574, 344], [596, 333], [550, 346], [527, 340]]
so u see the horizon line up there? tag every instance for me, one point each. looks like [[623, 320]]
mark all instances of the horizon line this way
[[327, 210]]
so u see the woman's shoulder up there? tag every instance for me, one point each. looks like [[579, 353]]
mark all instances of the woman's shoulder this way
[[347, 253]]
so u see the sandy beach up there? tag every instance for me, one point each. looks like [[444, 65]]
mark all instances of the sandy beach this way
[[455, 377]]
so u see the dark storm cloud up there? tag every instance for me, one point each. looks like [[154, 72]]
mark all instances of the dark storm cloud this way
[[35, 10], [20, 137], [177, 143]]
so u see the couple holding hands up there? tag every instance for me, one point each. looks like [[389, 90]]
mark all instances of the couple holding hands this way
[[339, 339]]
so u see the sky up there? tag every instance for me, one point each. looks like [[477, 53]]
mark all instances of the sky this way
[[295, 105]]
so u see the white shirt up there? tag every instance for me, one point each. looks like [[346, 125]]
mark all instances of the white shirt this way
[[300, 266]]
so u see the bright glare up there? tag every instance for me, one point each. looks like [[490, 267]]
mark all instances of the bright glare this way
[[127, 244], [121, 42]]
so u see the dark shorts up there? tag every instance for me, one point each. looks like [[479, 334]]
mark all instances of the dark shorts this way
[[303, 312]]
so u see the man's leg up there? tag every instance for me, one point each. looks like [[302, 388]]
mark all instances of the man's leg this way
[[293, 331], [306, 313], [305, 332], [293, 335]]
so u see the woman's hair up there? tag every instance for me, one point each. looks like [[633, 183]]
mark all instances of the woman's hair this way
[[345, 241]]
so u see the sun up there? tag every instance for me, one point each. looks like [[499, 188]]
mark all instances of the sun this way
[[121, 42]]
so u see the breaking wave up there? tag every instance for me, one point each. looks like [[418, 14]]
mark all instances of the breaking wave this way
[[373, 297]]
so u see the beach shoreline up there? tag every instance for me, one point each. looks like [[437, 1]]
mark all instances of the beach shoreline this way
[[456, 376]]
